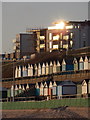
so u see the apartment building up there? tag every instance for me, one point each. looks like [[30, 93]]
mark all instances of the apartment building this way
[[63, 35], [69, 35]]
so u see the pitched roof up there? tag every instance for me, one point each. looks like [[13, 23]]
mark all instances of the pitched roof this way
[[66, 82]]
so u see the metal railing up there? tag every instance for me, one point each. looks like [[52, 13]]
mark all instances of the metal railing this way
[[48, 97]]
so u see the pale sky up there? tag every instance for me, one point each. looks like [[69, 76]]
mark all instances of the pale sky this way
[[0, 27], [17, 17], [44, 0]]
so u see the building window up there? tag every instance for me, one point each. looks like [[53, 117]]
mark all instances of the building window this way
[[55, 46], [66, 37], [83, 35], [42, 45], [71, 35], [84, 43], [42, 37], [65, 46], [71, 43], [69, 27], [56, 37]]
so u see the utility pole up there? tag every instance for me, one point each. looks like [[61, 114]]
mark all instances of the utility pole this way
[[13, 79]]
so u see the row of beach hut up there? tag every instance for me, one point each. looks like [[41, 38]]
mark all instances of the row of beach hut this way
[[52, 67], [17, 89], [63, 88], [53, 88]]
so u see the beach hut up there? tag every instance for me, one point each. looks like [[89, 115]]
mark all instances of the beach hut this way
[[47, 69], [16, 72], [27, 86], [50, 88], [51, 68], [63, 65], [43, 69], [69, 64], [20, 89], [89, 64], [84, 87], [29, 70], [79, 89], [36, 70], [16, 90], [66, 88], [19, 71], [45, 89], [37, 89], [24, 71], [89, 87], [12, 91], [23, 88], [58, 67], [75, 62], [54, 67], [81, 64], [41, 89], [54, 88], [9, 93], [86, 65], [39, 69], [59, 89], [50, 84]]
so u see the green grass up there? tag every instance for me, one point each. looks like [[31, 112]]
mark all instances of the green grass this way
[[77, 102]]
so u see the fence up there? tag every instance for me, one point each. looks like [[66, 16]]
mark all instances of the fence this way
[[46, 98]]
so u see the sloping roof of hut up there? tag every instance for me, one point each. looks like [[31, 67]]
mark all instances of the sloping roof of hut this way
[[80, 82], [66, 82]]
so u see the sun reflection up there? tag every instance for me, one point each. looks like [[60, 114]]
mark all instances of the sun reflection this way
[[60, 25]]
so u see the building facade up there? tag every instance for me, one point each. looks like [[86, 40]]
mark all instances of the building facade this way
[[81, 32], [27, 43]]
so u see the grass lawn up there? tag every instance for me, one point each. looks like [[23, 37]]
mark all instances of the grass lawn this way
[[76, 102]]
